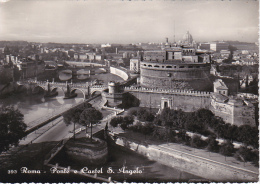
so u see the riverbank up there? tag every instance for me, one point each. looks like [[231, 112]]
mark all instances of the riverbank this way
[[212, 166], [138, 168]]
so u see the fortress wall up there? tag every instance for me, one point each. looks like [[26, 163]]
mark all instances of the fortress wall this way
[[185, 101], [181, 74], [119, 73], [223, 110], [244, 115], [233, 114], [190, 163], [168, 78]]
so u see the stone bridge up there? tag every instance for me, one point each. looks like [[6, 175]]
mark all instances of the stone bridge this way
[[86, 89]]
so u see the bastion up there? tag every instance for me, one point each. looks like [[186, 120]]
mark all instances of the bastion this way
[[83, 150]]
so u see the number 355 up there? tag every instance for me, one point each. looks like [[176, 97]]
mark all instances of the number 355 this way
[[12, 172]]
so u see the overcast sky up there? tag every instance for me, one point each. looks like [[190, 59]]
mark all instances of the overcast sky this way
[[104, 21]]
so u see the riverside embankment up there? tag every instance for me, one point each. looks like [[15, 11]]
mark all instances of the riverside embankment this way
[[193, 161]]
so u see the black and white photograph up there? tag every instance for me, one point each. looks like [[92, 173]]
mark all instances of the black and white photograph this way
[[108, 91]]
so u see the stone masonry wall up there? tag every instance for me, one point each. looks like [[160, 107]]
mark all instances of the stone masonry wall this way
[[190, 163], [119, 73], [185, 101]]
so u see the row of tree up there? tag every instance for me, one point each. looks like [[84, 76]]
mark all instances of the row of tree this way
[[204, 122], [84, 114], [211, 144], [13, 128]]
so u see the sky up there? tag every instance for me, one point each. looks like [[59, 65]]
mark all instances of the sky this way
[[115, 21]]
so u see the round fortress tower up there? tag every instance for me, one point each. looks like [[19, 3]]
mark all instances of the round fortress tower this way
[[175, 75]]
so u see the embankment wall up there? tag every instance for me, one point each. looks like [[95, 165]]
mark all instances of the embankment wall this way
[[119, 73], [190, 163]]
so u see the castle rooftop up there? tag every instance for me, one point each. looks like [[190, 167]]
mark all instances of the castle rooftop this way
[[220, 98]]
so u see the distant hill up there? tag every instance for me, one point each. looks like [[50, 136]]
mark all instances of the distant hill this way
[[13, 43]]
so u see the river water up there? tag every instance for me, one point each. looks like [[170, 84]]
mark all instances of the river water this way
[[34, 107]]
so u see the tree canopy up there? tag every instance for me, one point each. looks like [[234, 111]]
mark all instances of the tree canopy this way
[[204, 122], [124, 122], [73, 114], [227, 148], [90, 115], [12, 127]]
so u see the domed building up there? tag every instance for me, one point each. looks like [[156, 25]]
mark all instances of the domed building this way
[[187, 39]]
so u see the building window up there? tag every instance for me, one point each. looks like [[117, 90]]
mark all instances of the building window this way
[[149, 65], [144, 64], [156, 66], [190, 67], [168, 66], [181, 67]]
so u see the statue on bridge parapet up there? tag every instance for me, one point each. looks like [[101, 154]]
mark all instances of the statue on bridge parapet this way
[[50, 93], [69, 94]]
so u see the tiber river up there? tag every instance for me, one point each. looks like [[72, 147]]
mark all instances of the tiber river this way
[[35, 106]]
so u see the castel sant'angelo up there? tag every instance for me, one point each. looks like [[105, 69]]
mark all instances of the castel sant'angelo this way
[[176, 67], [179, 76]]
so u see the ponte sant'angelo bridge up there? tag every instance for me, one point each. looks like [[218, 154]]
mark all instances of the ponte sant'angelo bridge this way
[[86, 89]]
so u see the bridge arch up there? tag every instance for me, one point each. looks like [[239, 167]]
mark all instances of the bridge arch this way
[[21, 88], [38, 86], [96, 90], [57, 87], [82, 91]]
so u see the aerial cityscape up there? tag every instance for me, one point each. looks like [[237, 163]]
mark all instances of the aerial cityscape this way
[[123, 91]]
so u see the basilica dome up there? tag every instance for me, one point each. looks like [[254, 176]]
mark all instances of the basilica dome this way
[[187, 38]]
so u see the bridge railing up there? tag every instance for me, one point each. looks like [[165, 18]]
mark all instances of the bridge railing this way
[[77, 85], [38, 122], [51, 115]]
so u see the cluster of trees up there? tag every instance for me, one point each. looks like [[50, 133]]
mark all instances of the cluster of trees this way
[[211, 144], [143, 115], [12, 127], [171, 125], [84, 114], [123, 122], [204, 122]]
